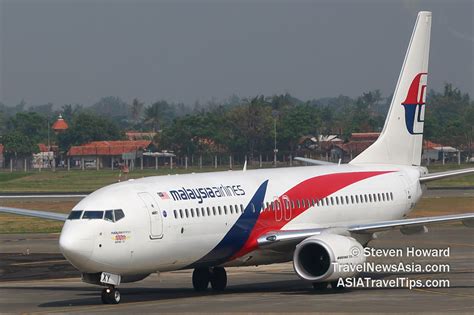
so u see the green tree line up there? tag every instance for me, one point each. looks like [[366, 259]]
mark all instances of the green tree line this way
[[236, 125]]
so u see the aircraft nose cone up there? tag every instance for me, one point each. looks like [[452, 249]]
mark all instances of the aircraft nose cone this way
[[76, 249]]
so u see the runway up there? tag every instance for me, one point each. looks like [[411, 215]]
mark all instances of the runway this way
[[36, 279]]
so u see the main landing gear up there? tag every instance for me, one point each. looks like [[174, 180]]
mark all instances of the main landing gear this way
[[110, 295], [202, 276]]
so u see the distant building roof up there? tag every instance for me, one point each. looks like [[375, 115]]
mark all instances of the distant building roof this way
[[427, 144], [60, 124], [108, 147], [44, 148], [359, 136]]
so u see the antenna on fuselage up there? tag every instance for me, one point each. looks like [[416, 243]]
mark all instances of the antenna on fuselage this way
[[245, 165]]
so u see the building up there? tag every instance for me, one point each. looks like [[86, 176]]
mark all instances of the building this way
[[45, 157], [357, 143], [433, 152], [60, 125], [100, 154]]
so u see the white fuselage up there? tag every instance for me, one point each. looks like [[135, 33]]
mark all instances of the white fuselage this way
[[184, 221]]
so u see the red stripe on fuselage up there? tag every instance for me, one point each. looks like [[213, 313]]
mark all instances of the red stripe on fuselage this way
[[314, 188]]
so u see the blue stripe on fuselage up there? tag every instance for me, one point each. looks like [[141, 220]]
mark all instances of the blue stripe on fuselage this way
[[237, 235]]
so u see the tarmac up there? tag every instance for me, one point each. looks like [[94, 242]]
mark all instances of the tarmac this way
[[35, 278]]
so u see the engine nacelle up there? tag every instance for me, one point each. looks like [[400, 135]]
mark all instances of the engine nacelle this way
[[326, 257]]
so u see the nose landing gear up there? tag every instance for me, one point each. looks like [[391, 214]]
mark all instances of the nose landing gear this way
[[202, 276], [110, 295]]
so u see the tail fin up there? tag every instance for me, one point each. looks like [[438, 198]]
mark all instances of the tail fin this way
[[402, 136]]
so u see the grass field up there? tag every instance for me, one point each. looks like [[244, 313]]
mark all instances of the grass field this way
[[76, 180], [86, 181]]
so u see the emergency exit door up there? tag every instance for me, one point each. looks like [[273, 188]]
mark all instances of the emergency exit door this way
[[154, 213]]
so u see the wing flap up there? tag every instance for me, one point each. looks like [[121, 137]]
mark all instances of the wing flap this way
[[35, 213]]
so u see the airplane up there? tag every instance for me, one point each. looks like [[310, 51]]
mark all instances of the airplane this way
[[314, 216]]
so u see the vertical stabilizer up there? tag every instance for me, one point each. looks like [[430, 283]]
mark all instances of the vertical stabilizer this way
[[401, 139]]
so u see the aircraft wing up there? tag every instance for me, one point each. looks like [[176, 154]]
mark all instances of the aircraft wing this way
[[287, 237], [35, 213], [447, 174], [314, 162]]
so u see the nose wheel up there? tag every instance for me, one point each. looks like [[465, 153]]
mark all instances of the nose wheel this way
[[216, 276], [110, 295]]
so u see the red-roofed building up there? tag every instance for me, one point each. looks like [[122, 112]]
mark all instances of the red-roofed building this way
[[98, 154], [437, 152], [365, 136], [357, 143], [60, 125]]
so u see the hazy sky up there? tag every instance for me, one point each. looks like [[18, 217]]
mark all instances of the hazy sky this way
[[182, 51]]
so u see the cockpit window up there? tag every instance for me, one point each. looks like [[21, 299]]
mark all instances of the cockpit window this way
[[109, 215], [74, 215], [118, 214], [93, 215]]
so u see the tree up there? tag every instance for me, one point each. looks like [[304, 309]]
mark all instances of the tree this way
[[159, 114], [114, 108], [69, 111], [18, 145], [45, 110], [448, 117], [85, 128], [295, 123], [137, 109], [29, 124]]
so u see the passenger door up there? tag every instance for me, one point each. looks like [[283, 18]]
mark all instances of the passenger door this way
[[154, 213]]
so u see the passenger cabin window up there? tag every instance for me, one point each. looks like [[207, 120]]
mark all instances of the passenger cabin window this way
[[74, 215]]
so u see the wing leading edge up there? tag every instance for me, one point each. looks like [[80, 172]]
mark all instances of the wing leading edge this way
[[35, 213], [287, 237]]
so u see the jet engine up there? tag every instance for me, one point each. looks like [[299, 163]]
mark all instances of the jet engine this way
[[327, 257]]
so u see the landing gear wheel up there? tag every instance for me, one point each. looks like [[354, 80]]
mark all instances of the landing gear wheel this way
[[320, 286], [110, 296], [218, 279], [201, 279], [336, 287]]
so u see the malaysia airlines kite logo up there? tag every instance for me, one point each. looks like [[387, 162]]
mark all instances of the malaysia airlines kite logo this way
[[415, 104]]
